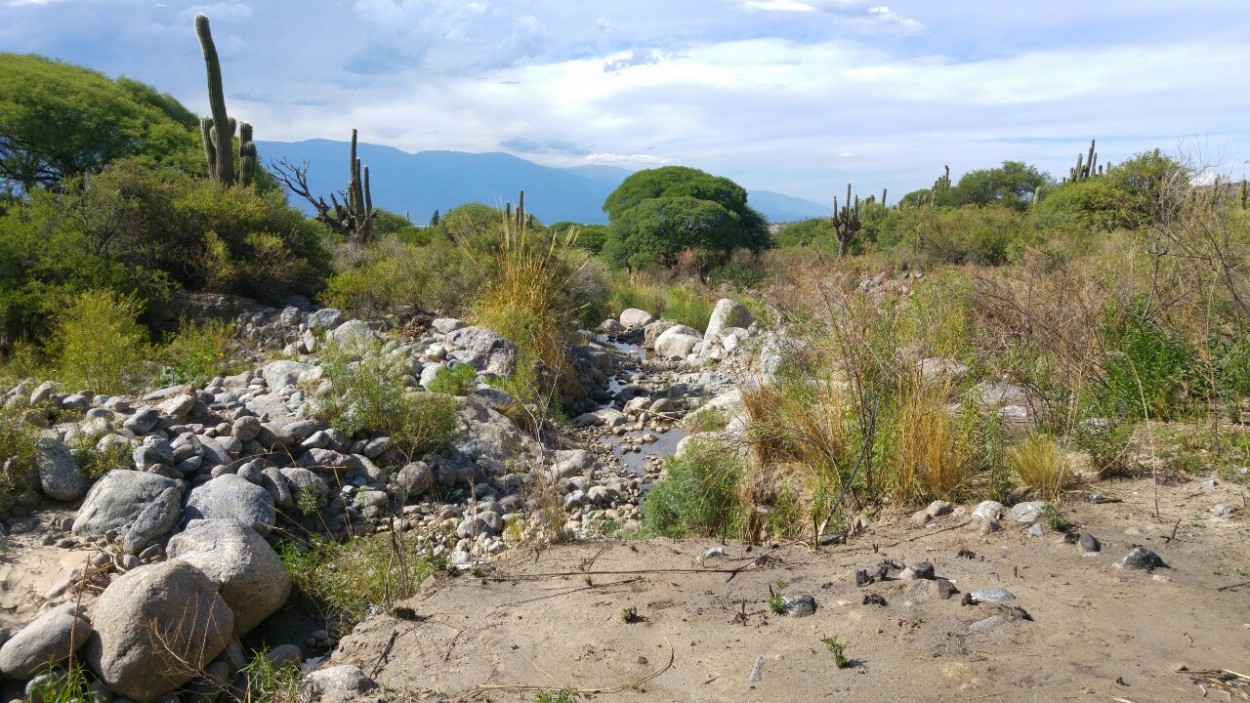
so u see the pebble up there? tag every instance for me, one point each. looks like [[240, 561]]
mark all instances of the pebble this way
[[987, 624], [1141, 558], [1089, 543], [798, 605], [991, 595]]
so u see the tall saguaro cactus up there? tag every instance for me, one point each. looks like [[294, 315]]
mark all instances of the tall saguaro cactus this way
[[247, 154], [220, 131], [846, 221]]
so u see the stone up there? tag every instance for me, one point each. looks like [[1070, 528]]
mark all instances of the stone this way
[[234, 498], [633, 317], [1036, 529], [272, 480], [325, 318], [157, 519], [726, 315], [285, 655], [938, 508], [611, 326], [302, 480], [486, 350], [326, 461], [337, 684], [354, 335], [177, 407], [48, 639], [153, 450], [1031, 511], [677, 342], [988, 624], [653, 331], [155, 629], [1223, 510], [59, 475], [253, 580], [142, 421], [991, 595], [918, 571], [117, 498], [415, 479], [798, 605], [572, 462], [920, 518], [245, 428], [1088, 543], [446, 325], [282, 373], [946, 589], [1141, 558], [988, 510]]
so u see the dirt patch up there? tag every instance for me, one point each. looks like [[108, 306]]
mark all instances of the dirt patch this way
[[1078, 629], [28, 570]]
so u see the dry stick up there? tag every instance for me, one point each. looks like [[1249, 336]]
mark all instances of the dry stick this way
[[672, 654], [927, 534], [1150, 433], [1235, 585], [591, 587]]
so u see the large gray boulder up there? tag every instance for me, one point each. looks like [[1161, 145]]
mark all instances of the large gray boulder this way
[[48, 639], [653, 330], [484, 432], [59, 476], [677, 342], [155, 629], [283, 373], [633, 317], [414, 479], [726, 315], [157, 519], [230, 497], [486, 350], [354, 335], [117, 498], [253, 581]]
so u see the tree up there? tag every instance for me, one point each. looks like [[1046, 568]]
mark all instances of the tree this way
[[657, 213], [58, 120], [1013, 184]]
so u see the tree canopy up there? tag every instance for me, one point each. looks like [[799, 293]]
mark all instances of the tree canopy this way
[[656, 214], [1012, 184], [58, 120]]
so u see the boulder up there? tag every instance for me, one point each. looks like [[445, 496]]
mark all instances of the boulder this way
[[484, 349], [653, 331], [117, 498], [325, 318], [353, 334], [253, 581], [283, 373], [231, 497], [677, 342], [415, 478], [725, 315], [482, 431], [633, 317], [157, 519], [59, 476], [302, 480], [337, 684], [48, 639], [155, 629]]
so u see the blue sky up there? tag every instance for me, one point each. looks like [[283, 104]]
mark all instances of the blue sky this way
[[796, 96]]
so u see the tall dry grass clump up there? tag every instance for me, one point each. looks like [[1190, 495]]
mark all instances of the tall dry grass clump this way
[[1041, 465], [931, 449]]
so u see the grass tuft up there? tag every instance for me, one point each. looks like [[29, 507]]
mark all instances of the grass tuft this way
[[1041, 464]]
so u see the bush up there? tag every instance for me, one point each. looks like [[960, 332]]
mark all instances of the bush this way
[[1150, 371], [932, 451], [370, 394], [1040, 464], [99, 344], [197, 352], [394, 273], [460, 380], [17, 456], [988, 235], [697, 496]]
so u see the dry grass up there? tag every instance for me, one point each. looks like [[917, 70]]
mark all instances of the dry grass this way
[[1041, 464], [932, 450]]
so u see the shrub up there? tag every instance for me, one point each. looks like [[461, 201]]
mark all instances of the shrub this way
[[17, 456], [684, 305], [987, 235], [370, 394], [1150, 371], [697, 496], [197, 352], [99, 343], [350, 580], [932, 451], [460, 380], [1040, 464], [394, 273]]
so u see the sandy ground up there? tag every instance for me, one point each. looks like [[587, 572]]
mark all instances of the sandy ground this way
[[28, 570], [552, 619]]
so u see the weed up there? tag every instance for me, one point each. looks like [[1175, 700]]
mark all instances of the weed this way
[[1055, 519], [196, 353], [99, 344], [94, 463], [270, 683], [698, 495], [629, 616], [838, 650], [1041, 464], [684, 305], [932, 451], [777, 604], [566, 695], [17, 456], [458, 380], [63, 686]]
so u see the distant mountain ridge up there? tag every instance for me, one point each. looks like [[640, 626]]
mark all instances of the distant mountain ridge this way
[[419, 184]]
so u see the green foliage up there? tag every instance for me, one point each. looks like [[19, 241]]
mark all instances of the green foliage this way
[[65, 685], [658, 213], [697, 496], [1108, 443], [815, 232], [196, 353], [99, 344], [566, 695], [684, 305], [350, 580], [1055, 518], [94, 463], [368, 393], [838, 650], [1150, 371], [17, 455], [58, 120], [394, 272], [1136, 193], [460, 380], [1011, 185], [270, 683], [987, 235], [387, 223]]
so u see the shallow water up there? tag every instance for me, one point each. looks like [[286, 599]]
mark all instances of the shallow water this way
[[664, 445]]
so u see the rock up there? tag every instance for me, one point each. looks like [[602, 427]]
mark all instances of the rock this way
[[920, 518], [153, 450], [798, 605], [1141, 558], [415, 479], [354, 335], [272, 480], [338, 684], [633, 317], [987, 624], [326, 461], [572, 462], [677, 342], [157, 519], [283, 373], [991, 595], [946, 588], [285, 655], [117, 499], [48, 639], [921, 570], [653, 331], [484, 432], [938, 508], [611, 326], [325, 318], [446, 325], [142, 421], [59, 476], [726, 315], [234, 498], [988, 510], [253, 581], [302, 480], [1223, 510], [1031, 511], [177, 407], [1088, 543], [155, 629], [1036, 529], [942, 370], [484, 349], [245, 428]]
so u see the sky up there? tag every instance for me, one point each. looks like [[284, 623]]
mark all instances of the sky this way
[[795, 96]]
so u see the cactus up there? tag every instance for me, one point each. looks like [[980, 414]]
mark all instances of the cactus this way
[[846, 221], [1086, 165], [247, 155], [221, 166], [1243, 193]]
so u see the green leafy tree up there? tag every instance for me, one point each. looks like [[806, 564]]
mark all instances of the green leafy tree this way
[[1012, 184], [58, 120], [1136, 193], [659, 212]]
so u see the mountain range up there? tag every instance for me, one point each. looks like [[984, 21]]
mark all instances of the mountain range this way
[[419, 184]]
